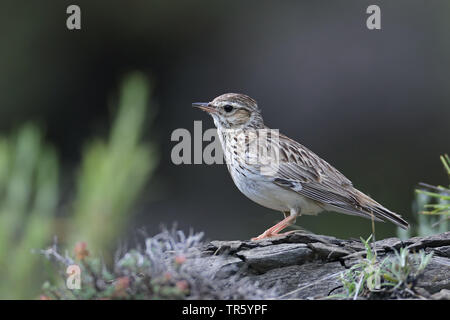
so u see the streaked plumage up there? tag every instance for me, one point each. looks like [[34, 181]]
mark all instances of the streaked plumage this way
[[290, 177]]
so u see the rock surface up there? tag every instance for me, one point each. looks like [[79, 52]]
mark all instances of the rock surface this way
[[307, 266]]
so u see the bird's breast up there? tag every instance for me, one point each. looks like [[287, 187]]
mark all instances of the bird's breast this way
[[245, 170]]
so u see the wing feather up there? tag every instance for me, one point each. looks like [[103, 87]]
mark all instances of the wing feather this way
[[302, 171]]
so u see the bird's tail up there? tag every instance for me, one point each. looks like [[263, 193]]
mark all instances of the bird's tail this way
[[375, 209]]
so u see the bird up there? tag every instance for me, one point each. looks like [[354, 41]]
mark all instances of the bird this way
[[281, 174]]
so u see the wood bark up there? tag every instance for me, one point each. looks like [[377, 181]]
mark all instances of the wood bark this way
[[307, 266]]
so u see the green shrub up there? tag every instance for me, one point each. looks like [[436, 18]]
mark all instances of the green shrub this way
[[432, 205], [392, 277], [113, 173], [111, 177], [28, 200]]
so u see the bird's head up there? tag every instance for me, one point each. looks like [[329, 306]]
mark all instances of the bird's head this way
[[233, 111]]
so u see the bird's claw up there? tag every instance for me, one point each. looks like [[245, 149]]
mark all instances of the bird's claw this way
[[267, 235]]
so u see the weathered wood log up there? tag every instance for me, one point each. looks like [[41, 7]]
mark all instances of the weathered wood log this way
[[307, 266]]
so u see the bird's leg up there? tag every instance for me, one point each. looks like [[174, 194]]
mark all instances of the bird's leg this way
[[274, 231]]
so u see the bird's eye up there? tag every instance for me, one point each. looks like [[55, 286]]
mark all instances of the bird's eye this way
[[228, 108]]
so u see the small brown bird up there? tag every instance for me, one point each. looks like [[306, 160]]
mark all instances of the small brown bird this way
[[280, 173]]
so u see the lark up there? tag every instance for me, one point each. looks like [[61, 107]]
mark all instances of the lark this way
[[280, 173]]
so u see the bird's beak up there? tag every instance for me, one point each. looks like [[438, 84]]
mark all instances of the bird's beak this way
[[204, 106]]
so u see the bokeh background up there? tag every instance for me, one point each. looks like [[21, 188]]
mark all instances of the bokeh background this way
[[375, 104]]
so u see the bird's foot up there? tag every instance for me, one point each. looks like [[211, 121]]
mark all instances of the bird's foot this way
[[274, 231], [261, 236], [267, 235]]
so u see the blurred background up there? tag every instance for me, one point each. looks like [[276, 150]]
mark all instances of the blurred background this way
[[86, 115]]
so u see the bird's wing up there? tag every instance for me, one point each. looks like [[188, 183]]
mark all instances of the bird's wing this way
[[302, 171], [310, 175]]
